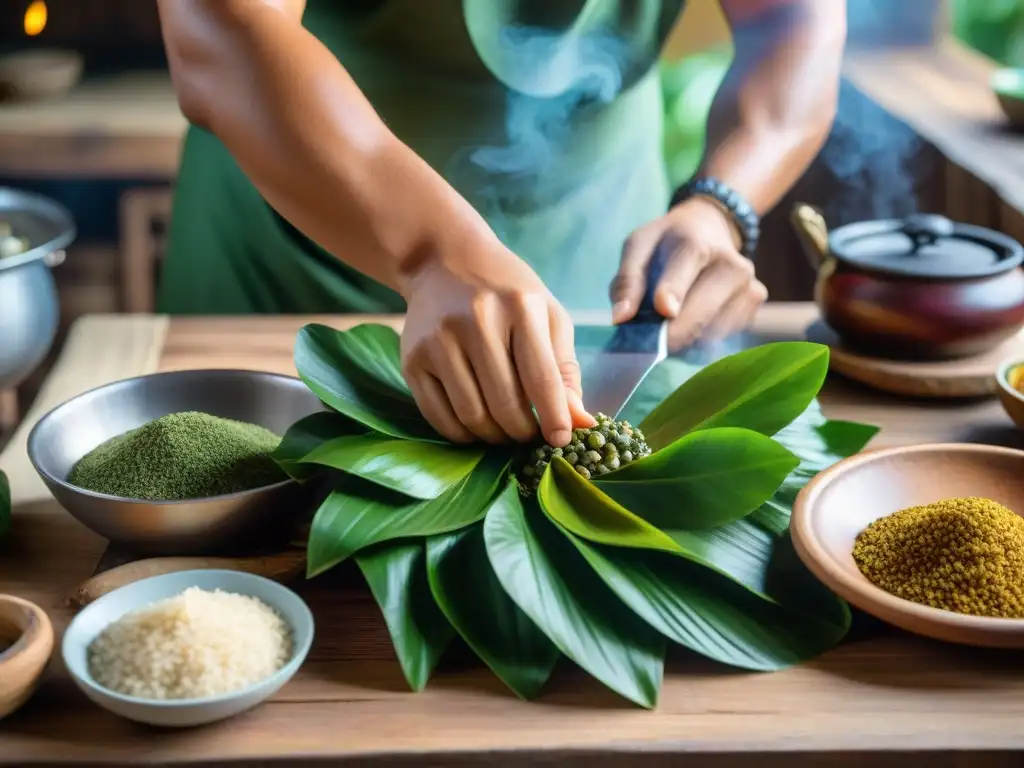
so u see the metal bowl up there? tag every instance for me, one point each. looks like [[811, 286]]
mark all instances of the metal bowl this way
[[234, 522], [29, 307]]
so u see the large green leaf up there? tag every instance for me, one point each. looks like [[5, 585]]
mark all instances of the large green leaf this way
[[471, 596], [306, 435], [763, 389], [359, 514], [711, 615], [703, 479], [396, 573], [417, 469], [580, 507], [818, 443], [5, 504], [548, 579], [358, 373]]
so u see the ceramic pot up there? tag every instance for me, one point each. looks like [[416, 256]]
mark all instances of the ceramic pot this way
[[918, 288], [29, 307]]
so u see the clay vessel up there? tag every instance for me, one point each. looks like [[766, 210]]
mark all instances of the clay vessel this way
[[920, 288]]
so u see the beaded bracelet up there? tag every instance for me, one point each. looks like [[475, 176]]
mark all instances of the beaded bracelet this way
[[743, 215]]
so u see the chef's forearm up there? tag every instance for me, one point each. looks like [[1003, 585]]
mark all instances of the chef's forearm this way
[[304, 134], [776, 105]]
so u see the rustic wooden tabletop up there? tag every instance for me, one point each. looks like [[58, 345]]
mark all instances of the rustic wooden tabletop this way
[[882, 697]]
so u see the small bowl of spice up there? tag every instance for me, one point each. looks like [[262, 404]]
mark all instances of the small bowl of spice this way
[[1010, 378], [188, 648], [928, 538], [177, 463]]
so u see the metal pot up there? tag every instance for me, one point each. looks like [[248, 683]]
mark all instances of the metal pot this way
[[923, 287], [29, 307]]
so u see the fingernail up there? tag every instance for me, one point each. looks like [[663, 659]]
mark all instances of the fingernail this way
[[672, 304], [560, 438], [620, 311], [579, 411]]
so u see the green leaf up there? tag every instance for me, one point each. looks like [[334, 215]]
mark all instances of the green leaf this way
[[5, 504], [541, 571], [818, 443], [762, 389], [308, 434], [358, 373], [397, 576], [412, 468], [580, 507], [359, 514], [711, 615], [703, 479], [472, 598], [740, 551]]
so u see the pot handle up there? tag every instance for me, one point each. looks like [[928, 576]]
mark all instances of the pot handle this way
[[812, 231]]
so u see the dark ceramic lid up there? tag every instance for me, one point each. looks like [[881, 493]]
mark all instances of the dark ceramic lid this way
[[926, 245]]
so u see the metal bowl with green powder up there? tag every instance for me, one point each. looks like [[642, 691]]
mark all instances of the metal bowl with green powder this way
[[175, 463]]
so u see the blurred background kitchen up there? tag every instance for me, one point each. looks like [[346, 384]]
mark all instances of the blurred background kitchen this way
[[88, 119]]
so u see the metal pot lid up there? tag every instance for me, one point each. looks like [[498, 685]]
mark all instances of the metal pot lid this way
[[47, 225], [928, 246]]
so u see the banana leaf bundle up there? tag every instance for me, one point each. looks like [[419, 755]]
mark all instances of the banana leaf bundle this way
[[688, 545]]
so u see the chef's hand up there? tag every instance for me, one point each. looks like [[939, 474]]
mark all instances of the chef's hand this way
[[485, 340], [707, 288]]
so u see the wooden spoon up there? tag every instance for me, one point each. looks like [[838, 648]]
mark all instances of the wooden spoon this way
[[26, 643]]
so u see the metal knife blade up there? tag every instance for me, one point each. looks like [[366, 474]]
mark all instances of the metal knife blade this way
[[620, 364]]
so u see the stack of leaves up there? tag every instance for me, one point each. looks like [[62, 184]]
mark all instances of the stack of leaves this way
[[688, 545]]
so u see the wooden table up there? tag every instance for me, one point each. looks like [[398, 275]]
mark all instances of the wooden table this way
[[883, 697]]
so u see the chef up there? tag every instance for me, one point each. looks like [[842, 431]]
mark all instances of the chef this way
[[485, 166]]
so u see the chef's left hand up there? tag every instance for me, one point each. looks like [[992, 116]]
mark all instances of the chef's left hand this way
[[707, 288]]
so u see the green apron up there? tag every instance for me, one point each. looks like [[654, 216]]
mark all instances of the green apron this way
[[545, 114]]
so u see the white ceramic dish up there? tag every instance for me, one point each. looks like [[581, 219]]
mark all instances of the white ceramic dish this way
[[97, 616]]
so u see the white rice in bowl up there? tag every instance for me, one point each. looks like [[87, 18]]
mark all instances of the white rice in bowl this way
[[195, 644]]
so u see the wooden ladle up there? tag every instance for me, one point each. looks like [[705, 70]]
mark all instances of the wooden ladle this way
[[26, 644]]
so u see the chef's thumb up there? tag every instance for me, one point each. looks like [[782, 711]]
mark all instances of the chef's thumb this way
[[627, 289]]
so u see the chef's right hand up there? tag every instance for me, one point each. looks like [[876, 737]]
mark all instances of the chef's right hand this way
[[484, 343]]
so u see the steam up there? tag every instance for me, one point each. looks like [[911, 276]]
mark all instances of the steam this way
[[871, 153], [555, 80]]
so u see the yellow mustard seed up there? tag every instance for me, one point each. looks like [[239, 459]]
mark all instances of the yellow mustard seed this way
[[964, 555]]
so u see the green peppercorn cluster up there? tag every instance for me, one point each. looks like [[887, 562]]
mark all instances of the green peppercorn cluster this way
[[594, 451]]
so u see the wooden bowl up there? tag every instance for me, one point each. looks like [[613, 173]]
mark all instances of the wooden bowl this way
[[843, 500], [38, 75], [26, 637], [1010, 382]]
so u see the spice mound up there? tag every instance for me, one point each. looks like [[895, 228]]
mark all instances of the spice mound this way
[[964, 555], [192, 645], [181, 456]]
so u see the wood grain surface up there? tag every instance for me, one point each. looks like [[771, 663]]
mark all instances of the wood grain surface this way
[[883, 696]]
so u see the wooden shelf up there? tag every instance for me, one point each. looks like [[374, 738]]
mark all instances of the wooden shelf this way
[[128, 126]]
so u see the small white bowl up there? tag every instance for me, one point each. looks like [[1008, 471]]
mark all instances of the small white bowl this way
[[97, 616]]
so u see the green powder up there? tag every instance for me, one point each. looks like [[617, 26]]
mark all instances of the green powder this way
[[181, 456]]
